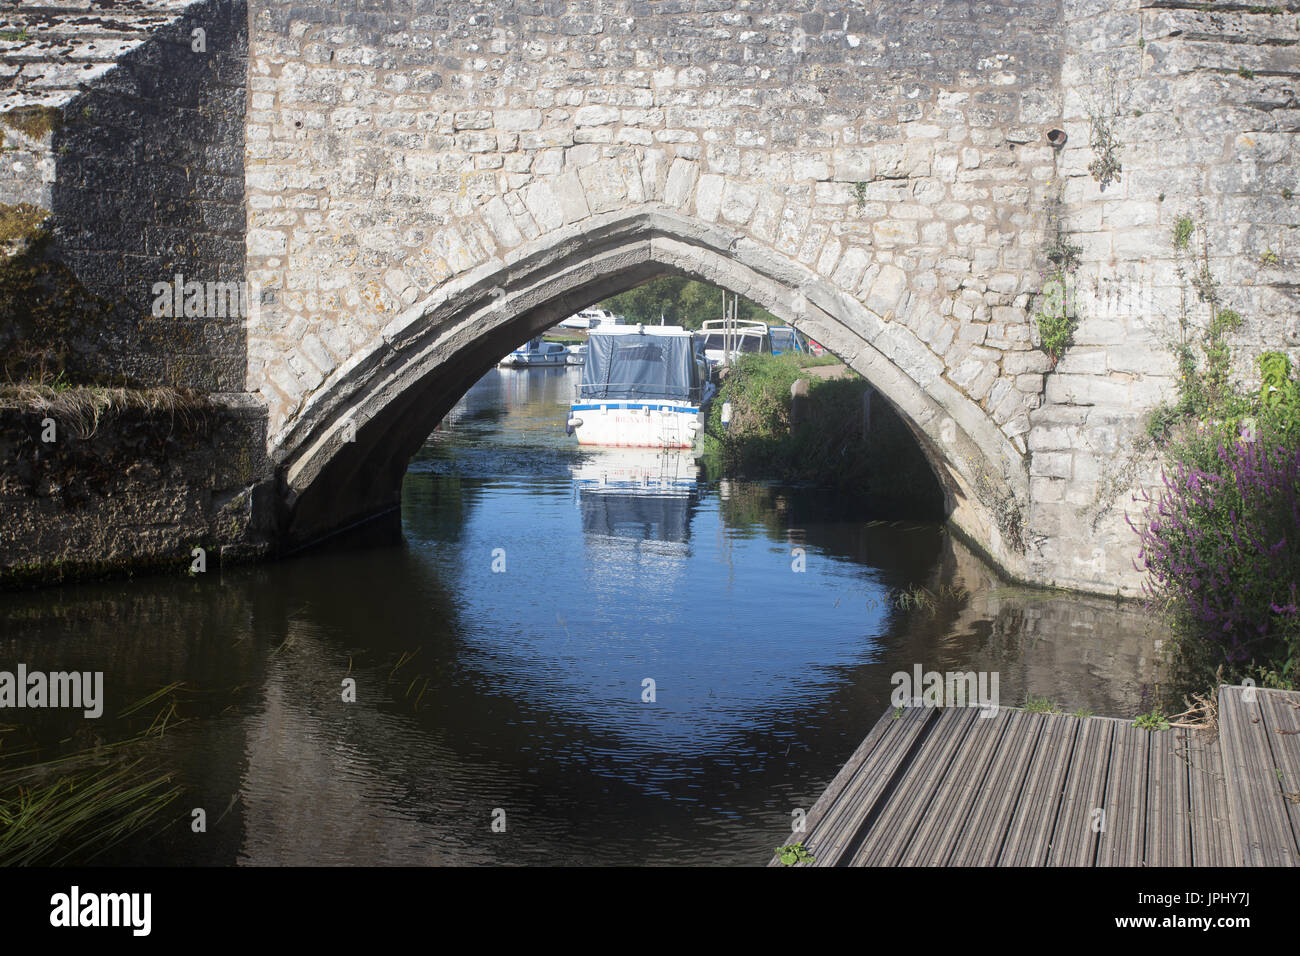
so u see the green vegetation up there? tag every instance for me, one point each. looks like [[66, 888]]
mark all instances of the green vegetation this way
[[1054, 307], [680, 301], [793, 853], [1082, 712], [887, 470], [42, 304], [21, 222], [76, 806], [1155, 720], [33, 121], [1221, 544], [1041, 705], [1105, 166], [1245, 74], [12, 35], [860, 194]]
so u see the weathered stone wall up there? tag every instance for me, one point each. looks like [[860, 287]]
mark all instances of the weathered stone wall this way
[[885, 152], [135, 488], [417, 186], [1204, 107], [143, 171]]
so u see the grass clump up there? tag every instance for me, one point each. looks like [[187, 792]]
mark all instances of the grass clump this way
[[81, 407], [75, 807], [1041, 705]]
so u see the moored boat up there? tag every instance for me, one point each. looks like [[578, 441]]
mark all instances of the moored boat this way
[[536, 353], [643, 387]]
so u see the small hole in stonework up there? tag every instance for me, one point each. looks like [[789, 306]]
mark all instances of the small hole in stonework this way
[[1056, 137], [298, 124]]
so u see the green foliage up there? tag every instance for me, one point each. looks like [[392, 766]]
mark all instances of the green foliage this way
[[1205, 394], [793, 853], [42, 304], [1221, 536], [1056, 326], [1105, 166], [1287, 193], [860, 194], [1270, 258], [1041, 705], [681, 301], [15, 35], [33, 121], [1155, 720], [887, 470], [1245, 74], [1054, 312], [1082, 712]]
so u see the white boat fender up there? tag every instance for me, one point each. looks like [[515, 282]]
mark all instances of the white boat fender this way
[[726, 414], [572, 424]]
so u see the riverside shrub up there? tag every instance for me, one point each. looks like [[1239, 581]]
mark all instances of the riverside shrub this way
[[1221, 546]]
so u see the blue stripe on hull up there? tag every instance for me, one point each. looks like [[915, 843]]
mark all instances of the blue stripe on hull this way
[[629, 405]]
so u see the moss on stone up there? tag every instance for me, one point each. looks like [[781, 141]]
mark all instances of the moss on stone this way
[[22, 223], [43, 305], [34, 121]]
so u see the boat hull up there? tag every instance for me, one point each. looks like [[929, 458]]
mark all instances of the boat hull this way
[[535, 361], [637, 424]]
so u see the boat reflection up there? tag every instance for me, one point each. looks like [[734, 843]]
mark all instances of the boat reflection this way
[[638, 494]]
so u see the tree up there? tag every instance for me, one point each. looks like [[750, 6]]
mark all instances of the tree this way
[[681, 301]]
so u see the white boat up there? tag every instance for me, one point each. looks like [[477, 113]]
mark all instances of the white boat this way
[[577, 354], [642, 387], [536, 353], [724, 339], [591, 319]]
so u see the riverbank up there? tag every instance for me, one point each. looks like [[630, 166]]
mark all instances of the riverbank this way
[[828, 444]]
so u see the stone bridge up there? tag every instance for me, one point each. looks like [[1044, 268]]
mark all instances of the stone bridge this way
[[411, 188]]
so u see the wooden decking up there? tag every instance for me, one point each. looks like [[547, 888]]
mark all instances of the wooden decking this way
[[947, 787]]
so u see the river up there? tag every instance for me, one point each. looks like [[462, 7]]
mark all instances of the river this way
[[573, 657]]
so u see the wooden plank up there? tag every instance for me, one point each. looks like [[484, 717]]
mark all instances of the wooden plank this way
[[1281, 713], [838, 829], [1031, 828], [980, 841], [1259, 818], [1123, 831], [916, 789], [1168, 815], [1075, 836], [950, 811], [1212, 843]]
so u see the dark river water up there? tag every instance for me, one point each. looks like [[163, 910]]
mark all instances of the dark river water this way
[[501, 651]]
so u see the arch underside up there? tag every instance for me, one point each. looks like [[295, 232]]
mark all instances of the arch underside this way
[[342, 456]]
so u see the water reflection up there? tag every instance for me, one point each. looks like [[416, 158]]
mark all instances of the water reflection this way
[[522, 688]]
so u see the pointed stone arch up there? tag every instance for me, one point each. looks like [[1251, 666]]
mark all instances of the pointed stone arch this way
[[342, 455]]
